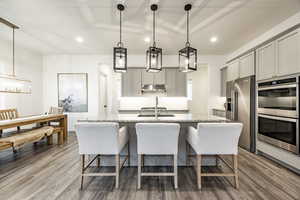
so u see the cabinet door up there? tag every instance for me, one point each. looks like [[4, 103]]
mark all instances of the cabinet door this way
[[233, 70], [266, 65], [131, 83], [171, 82], [181, 84], [147, 77], [288, 53], [159, 78], [176, 83], [247, 65], [223, 81]]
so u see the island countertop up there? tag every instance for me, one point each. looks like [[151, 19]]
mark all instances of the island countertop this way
[[130, 120], [133, 118]]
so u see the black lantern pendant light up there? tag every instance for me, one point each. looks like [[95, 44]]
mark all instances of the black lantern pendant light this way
[[154, 54], [187, 55], [120, 53]]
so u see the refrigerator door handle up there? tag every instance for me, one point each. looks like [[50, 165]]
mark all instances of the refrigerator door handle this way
[[234, 110], [236, 114]]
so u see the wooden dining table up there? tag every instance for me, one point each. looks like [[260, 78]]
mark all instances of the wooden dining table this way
[[37, 119]]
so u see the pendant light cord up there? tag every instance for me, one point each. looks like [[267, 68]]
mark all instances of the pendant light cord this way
[[188, 29], [154, 29], [13, 72], [120, 43]]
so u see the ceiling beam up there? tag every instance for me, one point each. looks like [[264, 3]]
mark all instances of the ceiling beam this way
[[221, 13], [86, 11], [197, 6]]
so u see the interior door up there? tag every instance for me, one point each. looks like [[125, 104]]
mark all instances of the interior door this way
[[102, 94]]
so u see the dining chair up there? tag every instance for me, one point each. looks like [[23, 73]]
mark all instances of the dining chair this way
[[215, 139], [105, 138], [157, 139]]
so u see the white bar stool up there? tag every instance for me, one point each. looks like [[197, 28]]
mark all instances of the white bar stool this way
[[102, 139], [215, 139], [157, 139]]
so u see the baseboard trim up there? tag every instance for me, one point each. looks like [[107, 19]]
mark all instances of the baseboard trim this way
[[289, 167]]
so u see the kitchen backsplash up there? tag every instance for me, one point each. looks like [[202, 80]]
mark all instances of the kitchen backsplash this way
[[136, 103]]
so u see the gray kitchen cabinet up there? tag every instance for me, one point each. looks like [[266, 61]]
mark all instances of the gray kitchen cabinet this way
[[147, 77], [134, 78], [247, 65], [288, 53], [233, 70], [171, 82], [181, 84], [266, 62], [131, 83], [176, 83], [159, 78], [223, 81]]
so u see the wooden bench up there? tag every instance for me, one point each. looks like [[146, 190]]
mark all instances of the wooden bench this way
[[9, 114], [16, 140]]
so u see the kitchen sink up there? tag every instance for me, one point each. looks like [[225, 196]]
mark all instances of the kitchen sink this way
[[152, 115]]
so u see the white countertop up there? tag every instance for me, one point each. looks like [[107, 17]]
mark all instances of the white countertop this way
[[134, 118]]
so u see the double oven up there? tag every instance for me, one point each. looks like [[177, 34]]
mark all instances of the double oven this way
[[278, 113]]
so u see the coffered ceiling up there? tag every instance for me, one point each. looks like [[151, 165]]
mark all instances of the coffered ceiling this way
[[51, 26]]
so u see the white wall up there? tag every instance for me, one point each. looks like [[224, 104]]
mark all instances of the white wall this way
[[29, 65], [93, 64], [288, 23]]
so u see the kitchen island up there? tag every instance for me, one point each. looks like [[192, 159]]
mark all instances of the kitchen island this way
[[185, 120]]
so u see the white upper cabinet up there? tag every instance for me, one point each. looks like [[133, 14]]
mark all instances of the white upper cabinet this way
[[266, 62], [247, 65], [233, 70], [288, 54], [223, 81]]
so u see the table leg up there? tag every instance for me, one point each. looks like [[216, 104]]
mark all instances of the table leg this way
[[64, 124]]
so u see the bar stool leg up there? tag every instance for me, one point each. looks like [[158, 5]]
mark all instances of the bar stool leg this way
[[199, 171], [98, 160], [236, 175], [139, 170], [143, 160], [187, 153], [175, 172], [82, 170], [128, 152], [117, 170]]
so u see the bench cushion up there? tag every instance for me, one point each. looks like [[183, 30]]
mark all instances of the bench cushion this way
[[28, 136]]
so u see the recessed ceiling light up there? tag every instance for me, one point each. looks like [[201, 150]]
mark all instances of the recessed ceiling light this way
[[79, 39], [213, 39], [147, 39]]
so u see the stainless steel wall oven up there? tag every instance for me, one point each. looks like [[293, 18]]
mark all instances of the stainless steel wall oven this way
[[278, 113]]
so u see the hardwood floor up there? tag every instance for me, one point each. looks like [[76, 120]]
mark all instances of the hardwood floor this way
[[52, 172]]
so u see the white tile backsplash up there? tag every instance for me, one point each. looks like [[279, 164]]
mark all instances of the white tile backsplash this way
[[171, 103]]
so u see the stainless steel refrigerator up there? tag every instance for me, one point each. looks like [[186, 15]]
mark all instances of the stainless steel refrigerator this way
[[240, 106]]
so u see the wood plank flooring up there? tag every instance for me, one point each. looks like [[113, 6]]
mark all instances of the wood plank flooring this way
[[52, 172]]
